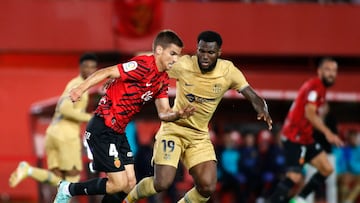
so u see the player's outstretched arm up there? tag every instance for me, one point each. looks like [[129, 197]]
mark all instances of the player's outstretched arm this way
[[95, 78], [259, 105], [317, 122], [165, 112]]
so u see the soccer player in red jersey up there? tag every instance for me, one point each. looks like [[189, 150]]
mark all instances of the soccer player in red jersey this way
[[135, 83], [297, 133]]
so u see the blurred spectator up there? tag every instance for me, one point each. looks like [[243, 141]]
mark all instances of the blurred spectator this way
[[348, 168], [248, 166], [228, 159], [271, 162]]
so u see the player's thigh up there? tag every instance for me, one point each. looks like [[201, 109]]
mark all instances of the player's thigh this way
[[167, 150], [322, 164], [294, 156], [117, 181], [110, 150], [199, 151], [130, 173], [70, 154], [52, 153]]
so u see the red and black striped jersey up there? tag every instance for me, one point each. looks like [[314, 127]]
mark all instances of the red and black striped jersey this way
[[139, 82], [297, 127]]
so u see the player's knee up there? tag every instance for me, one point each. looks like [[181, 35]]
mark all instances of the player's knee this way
[[162, 185], [116, 186], [73, 179], [206, 187], [295, 177], [327, 170], [72, 172], [131, 184]]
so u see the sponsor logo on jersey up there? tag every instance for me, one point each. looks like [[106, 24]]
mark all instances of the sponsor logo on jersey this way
[[147, 96], [194, 98], [129, 66]]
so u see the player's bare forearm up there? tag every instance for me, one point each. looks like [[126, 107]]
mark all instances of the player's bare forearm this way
[[259, 105], [165, 112], [315, 120], [98, 76], [175, 115], [68, 111], [95, 78], [169, 116]]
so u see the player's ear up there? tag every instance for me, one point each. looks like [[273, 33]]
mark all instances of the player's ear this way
[[158, 49], [219, 52]]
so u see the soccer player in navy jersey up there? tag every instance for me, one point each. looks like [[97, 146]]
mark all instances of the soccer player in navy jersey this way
[[135, 83], [297, 135]]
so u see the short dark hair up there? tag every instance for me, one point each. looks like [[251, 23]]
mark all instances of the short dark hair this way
[[166, 37], [326, 59], [210, 36], [88, 56]]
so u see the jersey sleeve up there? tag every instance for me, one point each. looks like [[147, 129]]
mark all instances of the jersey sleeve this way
[[313, 95], [67, 108], [163, 93], [132, 70], [238, 80]]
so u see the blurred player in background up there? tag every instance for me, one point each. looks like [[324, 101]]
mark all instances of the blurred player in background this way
[[63, 144], [202, 81], [298, 139], [135, 83], [328, 190]]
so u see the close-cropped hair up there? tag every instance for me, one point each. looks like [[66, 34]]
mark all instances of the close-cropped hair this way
[[88, 56], [326, 59], [167, 37], [210, 36]]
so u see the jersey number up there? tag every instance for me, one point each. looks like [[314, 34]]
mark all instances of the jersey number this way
[[168, 144], [113, 151]]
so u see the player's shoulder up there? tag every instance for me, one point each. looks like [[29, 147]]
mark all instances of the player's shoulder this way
[[225, 67], [75, 81], [225, 63], [187, 59], [313, 83], [185, 62]]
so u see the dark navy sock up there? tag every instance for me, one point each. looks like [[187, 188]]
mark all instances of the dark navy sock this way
[[316, 180]]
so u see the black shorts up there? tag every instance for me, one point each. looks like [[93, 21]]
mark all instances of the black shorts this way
[[298, 154], [111, 150]]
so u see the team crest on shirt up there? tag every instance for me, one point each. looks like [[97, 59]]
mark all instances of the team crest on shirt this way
[[167, 156], [217, 88], [117, 162], [129, 66]]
